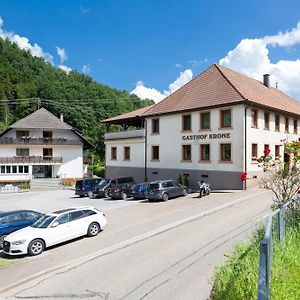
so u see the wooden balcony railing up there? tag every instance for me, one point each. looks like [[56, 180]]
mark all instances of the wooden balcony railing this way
[[30, 159], [39, 141]]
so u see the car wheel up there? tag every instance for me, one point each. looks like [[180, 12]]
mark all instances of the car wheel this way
[[105, 194], [124, 196], [185, 192], [90, 194], [36, 247], [165, 197], [93, 229], [208, 192]]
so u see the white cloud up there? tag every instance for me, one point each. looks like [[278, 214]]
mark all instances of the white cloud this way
[[86, 69], [197, 63], [251, 57], [151, 93], [178, 65], [65, 68], [62, 54], [23, 43]]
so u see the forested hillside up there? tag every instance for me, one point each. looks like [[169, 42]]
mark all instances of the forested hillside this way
[[27, 81]]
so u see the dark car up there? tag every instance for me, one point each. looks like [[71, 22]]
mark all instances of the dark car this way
[[106, 184], [84, 186], [165, 189], [139, 190], [15, 220], [120, 191]]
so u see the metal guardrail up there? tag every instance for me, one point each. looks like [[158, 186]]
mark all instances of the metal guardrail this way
[[266, 249]]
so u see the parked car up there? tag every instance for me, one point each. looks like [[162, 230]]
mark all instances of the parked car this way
[[102, 189], [139, 190], [165, 189], [15, 220], [55, 228], [120, 191], [84, 186]]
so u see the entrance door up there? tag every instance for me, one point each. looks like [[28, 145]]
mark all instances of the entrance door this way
[[42, 171]]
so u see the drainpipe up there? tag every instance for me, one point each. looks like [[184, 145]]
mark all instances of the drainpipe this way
[[245, 159], [145, 126]]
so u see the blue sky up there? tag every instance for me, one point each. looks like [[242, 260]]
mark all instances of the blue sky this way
[[153, 43]]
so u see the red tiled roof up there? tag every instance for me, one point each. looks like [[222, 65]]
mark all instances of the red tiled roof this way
[[220, 86], [130, 115]]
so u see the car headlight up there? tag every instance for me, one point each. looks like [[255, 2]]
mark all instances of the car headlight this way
[[20, 242]]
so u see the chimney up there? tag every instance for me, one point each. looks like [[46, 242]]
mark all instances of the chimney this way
[[267, 80], [62, 117]]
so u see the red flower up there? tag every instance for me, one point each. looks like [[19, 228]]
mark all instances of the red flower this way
[[244, 176], [267, 151]]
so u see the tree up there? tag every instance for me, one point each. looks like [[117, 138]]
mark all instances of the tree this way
[[282, 177]]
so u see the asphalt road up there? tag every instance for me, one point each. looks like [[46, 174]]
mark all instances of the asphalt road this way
[[147, 251]]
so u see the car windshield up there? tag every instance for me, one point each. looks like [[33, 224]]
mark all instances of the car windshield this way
[[104, 182], [43, 222], [153, 186], [137, 187]]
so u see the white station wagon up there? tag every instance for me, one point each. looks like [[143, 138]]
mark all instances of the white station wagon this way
[[54, 228]]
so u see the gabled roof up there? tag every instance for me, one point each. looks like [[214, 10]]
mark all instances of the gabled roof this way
[[129, 115], [215, 87], [41, 118], [219, 86]]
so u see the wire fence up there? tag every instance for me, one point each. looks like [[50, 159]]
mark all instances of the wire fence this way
[[282, 218]]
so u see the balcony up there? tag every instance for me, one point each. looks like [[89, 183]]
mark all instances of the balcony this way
[[31, 160], [38, 141], [127, 134]]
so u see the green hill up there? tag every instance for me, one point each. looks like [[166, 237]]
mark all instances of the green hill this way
[[27, 81]]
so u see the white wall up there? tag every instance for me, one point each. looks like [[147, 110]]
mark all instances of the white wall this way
[[137, 150], [170, 141], [261, 136]]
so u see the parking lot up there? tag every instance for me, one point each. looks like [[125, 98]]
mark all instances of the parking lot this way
[[46, 201]]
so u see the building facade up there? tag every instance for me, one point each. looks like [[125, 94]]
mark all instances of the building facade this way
[[213, 129], [41, 146]]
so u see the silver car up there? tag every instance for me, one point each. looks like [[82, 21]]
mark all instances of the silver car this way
[[165, 189]]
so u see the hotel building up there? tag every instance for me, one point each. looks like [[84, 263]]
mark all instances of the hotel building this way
[[213, 128]]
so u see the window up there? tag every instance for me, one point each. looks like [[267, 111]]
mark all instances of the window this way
[[295, 126], [277, 123], [286, 124], [8, 169], [75, 215], [155, 125], [226, 118], [277, 151], [21, 169], [47, 152], [267, 120], [113, 153], [205, 152], [47, 134], [187, 122], [22, 152], [254, 152], [225, 152], [205, 120], [126, 153], [14, 169], [254, 115], [155, 152], [26, 170], [22, 133], [63, 219], [187, 152], [2, 169]]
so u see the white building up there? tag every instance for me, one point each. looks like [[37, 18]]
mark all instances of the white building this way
[[41, 146], [213, 128]]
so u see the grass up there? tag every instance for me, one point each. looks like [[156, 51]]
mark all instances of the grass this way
[[4, 262], [237, 278]]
